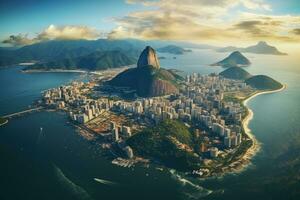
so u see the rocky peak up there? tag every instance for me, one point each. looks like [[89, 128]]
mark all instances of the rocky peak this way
[[262, 43], [148, 57]]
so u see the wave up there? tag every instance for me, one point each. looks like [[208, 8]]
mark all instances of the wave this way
[[191, 190], [76, 191]]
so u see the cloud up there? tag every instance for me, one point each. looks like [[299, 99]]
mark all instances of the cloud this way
[[205, 20], [18, 40], [68, 33], [53, 32], [296, 31]]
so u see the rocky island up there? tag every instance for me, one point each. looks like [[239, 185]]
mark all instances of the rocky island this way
[[260, 48], [235, 59], [173, 49]]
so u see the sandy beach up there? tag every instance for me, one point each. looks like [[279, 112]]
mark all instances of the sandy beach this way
[[255, 145]]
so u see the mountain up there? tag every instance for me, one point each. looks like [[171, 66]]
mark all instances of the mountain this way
[[260, 48], [54, 50], [234, 59], [173, 49], [235, 73], [263, 82], [148, 79], [148, 57], [260, 82], [98, 60], [161, 143]]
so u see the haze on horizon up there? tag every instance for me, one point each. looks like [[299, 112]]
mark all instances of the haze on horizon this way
[[215, 22]]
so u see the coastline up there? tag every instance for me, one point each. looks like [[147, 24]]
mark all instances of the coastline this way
[[5, 122], [256, 145], [97, 72], [53, 71]]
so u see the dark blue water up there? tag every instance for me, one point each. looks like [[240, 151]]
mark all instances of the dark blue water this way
[[60, 164]]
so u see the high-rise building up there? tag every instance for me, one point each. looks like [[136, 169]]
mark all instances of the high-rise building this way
[[116, 134]]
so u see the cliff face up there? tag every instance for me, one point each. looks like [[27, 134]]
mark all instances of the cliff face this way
[[162, 87], [147, 80], [148, 57]]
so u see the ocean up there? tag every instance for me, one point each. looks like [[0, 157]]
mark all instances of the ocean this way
[[58, 163]]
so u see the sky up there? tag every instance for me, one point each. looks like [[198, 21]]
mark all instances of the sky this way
[[217, 22]]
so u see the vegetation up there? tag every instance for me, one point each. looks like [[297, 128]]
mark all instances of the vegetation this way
[[173, 49], [98, 60], [235, 73], [233, 60], [142, 79], [263, 82], [162, 142], [65, 51], [2, 120]]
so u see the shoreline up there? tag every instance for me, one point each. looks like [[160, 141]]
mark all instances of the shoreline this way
[[243, 162], [256, 145], [53, 71], [97, 72], [5, 122]]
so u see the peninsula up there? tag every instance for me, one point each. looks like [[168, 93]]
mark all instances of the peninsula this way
[[199, 128]]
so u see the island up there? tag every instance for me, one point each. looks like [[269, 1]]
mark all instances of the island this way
[[196, 124], [173, 49], [260, 48], [234, 59]]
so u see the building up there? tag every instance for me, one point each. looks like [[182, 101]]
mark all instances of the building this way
[[213, 152], [116, 134], [128, 151], [126, 131], [227, 142]]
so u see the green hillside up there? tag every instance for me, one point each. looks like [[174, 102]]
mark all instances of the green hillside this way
[[263, 82], [173, 49], [235, 59], [95, 61], [235, 73], [161, 142]]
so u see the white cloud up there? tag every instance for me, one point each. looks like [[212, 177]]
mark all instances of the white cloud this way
[[206, 20], [53, 32]]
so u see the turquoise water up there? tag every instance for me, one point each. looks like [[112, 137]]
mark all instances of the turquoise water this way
[[60, 164]]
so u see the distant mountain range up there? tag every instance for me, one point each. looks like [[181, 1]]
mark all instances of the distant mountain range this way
[[260, 48], [235, 59], [173, 49], [67, 52], [98, 60], [260, 82], [148, 79]]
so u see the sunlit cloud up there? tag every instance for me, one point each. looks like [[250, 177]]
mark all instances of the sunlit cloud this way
[[53, 32], [205, 21]]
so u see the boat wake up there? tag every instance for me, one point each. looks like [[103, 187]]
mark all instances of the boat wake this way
[[105, 182], [75, 190]]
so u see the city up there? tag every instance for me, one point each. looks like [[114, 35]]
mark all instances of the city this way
[[200, 105]]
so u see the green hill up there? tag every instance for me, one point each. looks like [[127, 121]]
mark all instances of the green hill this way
[[98, 60], [173, 49], [161, 142], [263, 82], [235, 59], [235, 73], [148, 81]]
